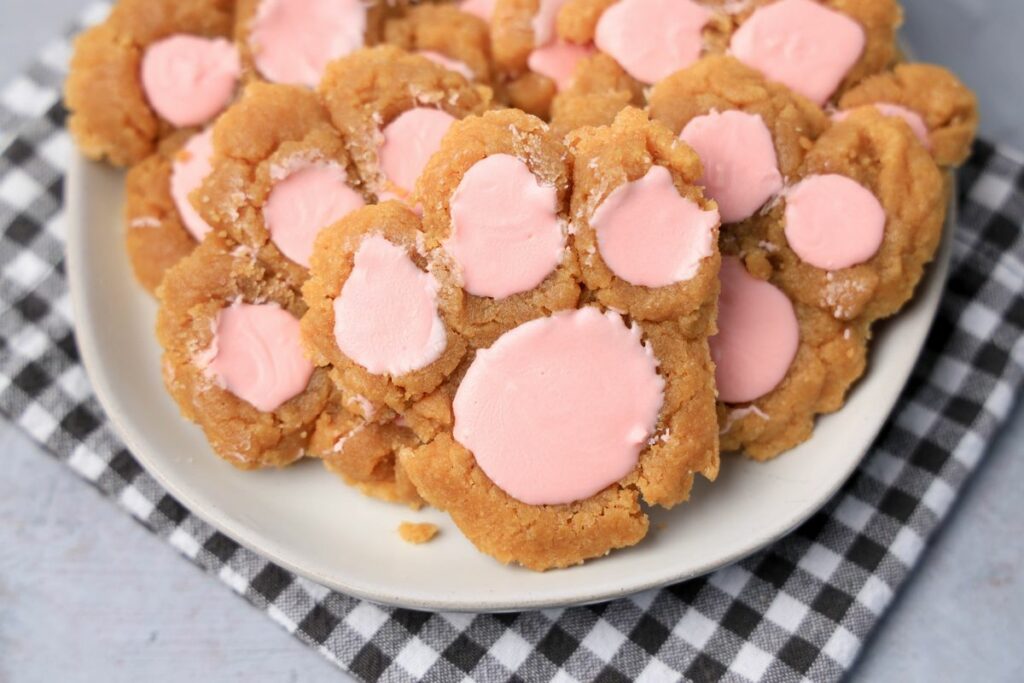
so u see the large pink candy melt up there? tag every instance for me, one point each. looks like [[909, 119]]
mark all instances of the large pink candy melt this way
[[758, 335], [801, 44], [561, 407], [652, 39], [558, 61], [506, 235], [294, 40], [305, 202], [409, 142], [188, 171], [447, 62], [386, 316], [651, 236], [911, 117], [257, 355], [832, 222], [741, 170], [543, 22], [188, 80]]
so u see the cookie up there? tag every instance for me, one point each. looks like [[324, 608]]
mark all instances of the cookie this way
[[645, 235], [779, 363], [123, 96], [445, 34], [856, 227], [495, 201], [940, 109], [233, 359], [385, 336], [818, 48], [282, 173], [752, 135], [293, 41], [161, 225], [393, 108]]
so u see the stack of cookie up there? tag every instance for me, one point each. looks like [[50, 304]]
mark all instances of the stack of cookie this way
[[535, 263]]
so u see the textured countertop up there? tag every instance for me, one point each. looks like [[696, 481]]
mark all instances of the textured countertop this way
[[86, 594]]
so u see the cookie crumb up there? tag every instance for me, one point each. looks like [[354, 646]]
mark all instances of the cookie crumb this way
[[412, 532]]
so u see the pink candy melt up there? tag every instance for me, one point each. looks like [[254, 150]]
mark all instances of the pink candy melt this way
[[506, 235], [741, 170], [652, 39], [257, 355], [188, 80], [651, 236], [911, 117], [758, 335], [305, 202], [455, 65], [833, 222], [386, 316], [558, 61], [294, 40], [801, 44], [409, 142], [560, 408], [190, 168]]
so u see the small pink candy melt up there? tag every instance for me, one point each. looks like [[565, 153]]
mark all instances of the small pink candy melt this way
[[257, 355], [188, 80], [832, 222], [560, 408], [409, 142], [188, 171], [652, 39], [911, 117], [558, 61], [386, 317], [801, 44], [306, 201], [506, 235], [294, 40], [758, 335], [651, 236], [447, 62], [741, 170]]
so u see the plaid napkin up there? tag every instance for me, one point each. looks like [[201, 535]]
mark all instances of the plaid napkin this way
[[801, 609]]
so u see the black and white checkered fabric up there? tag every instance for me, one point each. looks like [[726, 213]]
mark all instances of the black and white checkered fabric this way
[[799, 610]]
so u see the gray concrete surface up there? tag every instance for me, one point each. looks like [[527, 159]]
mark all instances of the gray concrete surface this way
[[86, 594]]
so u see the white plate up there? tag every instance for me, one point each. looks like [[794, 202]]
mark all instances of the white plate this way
[[306, 520]]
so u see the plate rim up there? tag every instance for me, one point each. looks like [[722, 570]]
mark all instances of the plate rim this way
[[929, 292]]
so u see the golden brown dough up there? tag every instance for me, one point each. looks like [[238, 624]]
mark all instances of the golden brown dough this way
[[271, 129], [608, 157], [369, 89], [600, 89], [417, 533], [110, 118], [948, 107], [331, 266], [483, 319], [192, 295], [155, 237]]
